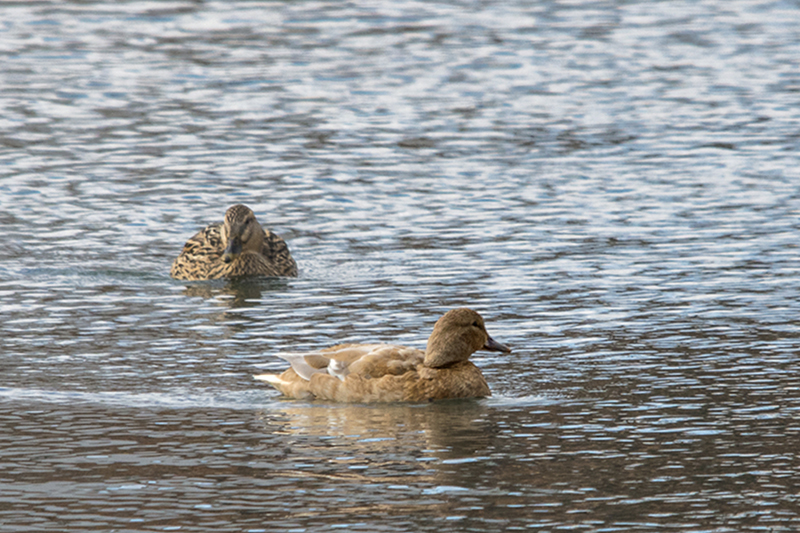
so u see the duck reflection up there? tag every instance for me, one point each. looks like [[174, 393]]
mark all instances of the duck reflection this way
[[235, 294], [444, 430], [435, 459]]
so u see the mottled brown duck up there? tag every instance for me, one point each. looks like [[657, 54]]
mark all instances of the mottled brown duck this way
[[236, 248]]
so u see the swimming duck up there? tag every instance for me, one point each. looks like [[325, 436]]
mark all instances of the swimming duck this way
[[236, 248], [388, 373]]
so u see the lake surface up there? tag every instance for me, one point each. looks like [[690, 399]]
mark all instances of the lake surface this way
[[615, 187]]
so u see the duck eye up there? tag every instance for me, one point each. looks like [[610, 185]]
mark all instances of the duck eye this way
[[476, 324]]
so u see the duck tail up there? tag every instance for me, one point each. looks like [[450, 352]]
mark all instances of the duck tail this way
[[293, 389], [272, 379]]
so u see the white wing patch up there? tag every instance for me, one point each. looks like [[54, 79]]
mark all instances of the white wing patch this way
[[338, 369]]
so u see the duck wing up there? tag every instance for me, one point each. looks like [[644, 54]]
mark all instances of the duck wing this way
[[349, 372], [277, 252], [335, 361], [200, 256]]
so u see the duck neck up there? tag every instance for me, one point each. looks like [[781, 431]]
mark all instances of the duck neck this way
[[445, 352]]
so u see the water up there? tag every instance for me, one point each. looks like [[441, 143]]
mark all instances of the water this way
[[615, 187]]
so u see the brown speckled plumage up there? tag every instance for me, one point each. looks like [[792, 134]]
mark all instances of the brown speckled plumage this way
[[238, 247], [369, 373]]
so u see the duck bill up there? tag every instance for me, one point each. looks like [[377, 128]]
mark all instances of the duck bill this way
[[232, 251], [495, 346]]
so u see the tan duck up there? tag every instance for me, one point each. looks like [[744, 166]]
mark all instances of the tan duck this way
[[388, 373], [238, 247]]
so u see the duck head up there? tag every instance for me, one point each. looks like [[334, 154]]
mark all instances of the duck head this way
[[455, 337], [241, 232]]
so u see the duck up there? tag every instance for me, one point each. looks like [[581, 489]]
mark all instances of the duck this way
[[236, 248], [383, 373]]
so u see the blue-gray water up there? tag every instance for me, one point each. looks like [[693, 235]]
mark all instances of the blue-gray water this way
[[615, 186]]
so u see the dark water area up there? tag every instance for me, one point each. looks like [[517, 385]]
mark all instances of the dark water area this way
[[614, 186]]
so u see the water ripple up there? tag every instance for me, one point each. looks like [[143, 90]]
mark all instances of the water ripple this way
[[615, 188]]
